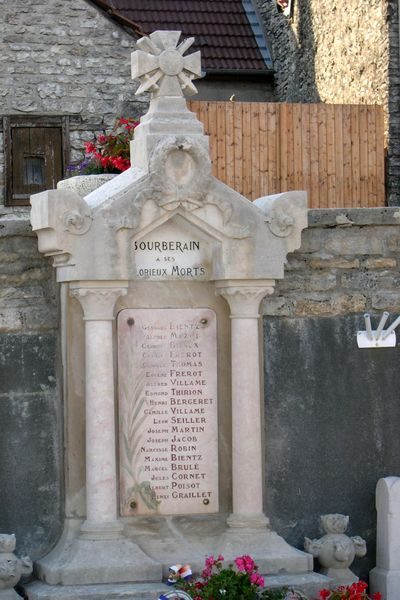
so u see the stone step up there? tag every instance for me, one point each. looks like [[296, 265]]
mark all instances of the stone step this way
[[309, 583]]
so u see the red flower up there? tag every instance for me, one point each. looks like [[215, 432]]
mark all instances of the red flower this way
[[89, 147], [324, 594], [257, 579], [245, 563]]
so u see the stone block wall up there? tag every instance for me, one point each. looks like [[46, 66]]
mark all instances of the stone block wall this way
[[65, 58], [30, 397], [340, 53], [331, 409]]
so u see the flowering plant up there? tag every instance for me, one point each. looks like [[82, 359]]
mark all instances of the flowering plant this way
[[241, 580], [107, 153], [355, 591]]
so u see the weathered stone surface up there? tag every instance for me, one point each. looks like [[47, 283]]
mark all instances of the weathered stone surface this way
[[31, 444], [357, 264], [27, 285], [379, 263], [30, 410], [332, 406], [334, 263]]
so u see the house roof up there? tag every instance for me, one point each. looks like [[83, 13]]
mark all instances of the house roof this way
[[228, 32]]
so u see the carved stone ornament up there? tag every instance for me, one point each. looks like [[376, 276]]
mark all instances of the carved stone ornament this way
[[336, 550], [280, 222], [12, 568], [161, 68], [76, 222], [180, 177]]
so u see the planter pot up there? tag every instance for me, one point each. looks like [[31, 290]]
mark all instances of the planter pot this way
[[85, 184]]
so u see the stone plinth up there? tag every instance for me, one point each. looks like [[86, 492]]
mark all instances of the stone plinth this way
[[385, 577]]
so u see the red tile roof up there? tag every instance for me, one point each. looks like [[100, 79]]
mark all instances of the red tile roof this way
[[221, 28]]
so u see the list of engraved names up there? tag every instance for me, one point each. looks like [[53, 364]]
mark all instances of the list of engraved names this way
[[168, 411]]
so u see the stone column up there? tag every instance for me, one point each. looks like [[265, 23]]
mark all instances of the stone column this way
[[247, 425], [98, 300]]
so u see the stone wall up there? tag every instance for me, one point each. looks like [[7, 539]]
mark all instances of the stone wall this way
[[340, 53], [331, 409], [65, 58], [30, 398]]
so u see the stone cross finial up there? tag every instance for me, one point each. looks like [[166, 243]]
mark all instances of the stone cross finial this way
[[162, 69]]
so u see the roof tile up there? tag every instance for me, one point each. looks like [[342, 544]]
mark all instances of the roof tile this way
[[221, 27]]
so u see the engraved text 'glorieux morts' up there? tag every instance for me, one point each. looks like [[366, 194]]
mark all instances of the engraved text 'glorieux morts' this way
[[170, 253]]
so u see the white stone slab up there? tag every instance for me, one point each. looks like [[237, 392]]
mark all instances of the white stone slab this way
[[168, 411], [385, 577]]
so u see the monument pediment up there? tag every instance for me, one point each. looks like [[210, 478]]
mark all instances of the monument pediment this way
[[177, 200]]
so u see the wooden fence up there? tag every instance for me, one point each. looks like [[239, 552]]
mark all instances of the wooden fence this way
[[334, 152]]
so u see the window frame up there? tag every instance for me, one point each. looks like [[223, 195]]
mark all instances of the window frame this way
[[11, 122]]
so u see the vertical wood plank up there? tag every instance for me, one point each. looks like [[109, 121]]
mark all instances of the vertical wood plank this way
[[255, 151], [314, 200], [221, 151], [238, 138], [323, 156], [290, 147], [380, 156], [264, 157], [230, 145], [273, 166], [347, 197], [306, 148], [372, 165], [339, 159], [297, 151], [212, 128], [355, 155], [283, 148], [330, 155], [247, 162], [363, 156]]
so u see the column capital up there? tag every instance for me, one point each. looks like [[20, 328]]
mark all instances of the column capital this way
[[244, 297], [98, 298]]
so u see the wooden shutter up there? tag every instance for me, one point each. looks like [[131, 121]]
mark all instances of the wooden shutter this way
[[34, 160]]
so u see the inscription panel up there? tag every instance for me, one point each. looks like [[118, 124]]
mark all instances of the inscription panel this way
[[170, 253], [168, 411]]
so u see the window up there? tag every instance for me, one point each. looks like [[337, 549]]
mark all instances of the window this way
[[35, 156]]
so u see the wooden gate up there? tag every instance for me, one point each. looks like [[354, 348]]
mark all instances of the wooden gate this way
[[334, 152]]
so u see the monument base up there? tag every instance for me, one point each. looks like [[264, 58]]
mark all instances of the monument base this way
[[308, 583], [78, 560], [135, 566], [270, 552], [38, 590], [385, 581]]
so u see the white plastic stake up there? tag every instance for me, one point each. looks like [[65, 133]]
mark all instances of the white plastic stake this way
[[381, 325], [391, 328]]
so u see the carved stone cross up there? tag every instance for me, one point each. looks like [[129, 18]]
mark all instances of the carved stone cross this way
[[162, 69]]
